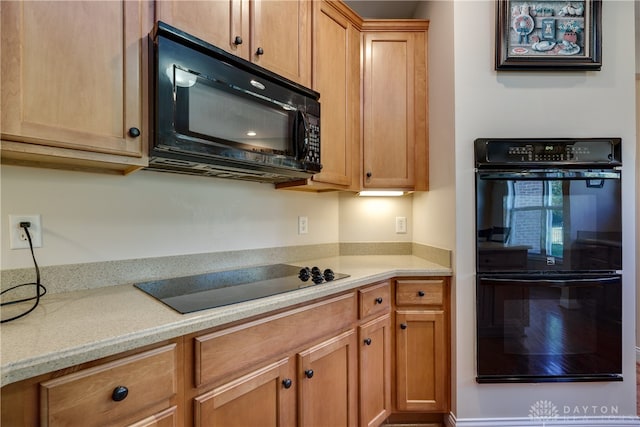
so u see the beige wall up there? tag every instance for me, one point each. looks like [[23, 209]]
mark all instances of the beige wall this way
[[373, 219], [534, 104], [637, 207], [93, 217], [434, 211]]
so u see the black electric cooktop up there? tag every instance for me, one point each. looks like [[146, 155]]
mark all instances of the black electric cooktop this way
[[204, 291]]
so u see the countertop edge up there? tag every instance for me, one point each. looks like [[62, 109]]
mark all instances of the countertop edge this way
[[49, 362]]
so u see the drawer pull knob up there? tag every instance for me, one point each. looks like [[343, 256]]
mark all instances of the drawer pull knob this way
[[134, 132], [119, 393], [420, 293], [237, 41], [309, 373], [403, 326], [260, 51], [286, 383], [367, 341], [379, 300]]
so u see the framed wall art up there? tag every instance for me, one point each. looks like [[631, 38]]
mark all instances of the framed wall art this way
[[548, 35]]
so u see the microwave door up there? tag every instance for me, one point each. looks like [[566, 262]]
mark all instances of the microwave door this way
[[216, 113]]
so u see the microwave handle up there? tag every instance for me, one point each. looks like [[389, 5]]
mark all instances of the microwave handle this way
[[301, 135]]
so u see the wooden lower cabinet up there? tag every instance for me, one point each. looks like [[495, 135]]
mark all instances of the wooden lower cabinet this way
[[327, 375], [265, 397], [138, 389], [166, 418], [119, 390], [420, 360], [375, 371], [295, 367], [315, 387], [422, 345], [340, 361]]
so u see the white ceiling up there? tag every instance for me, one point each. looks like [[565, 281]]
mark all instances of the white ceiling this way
[[381, 9]]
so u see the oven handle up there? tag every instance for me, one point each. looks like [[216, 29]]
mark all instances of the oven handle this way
[[551, 174], [554, 282]]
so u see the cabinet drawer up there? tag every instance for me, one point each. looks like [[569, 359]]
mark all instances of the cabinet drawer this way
[[235, 349], [374, 299], [420, 292], [87, 397]]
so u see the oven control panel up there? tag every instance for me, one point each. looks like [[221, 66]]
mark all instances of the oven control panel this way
[[549, 151]]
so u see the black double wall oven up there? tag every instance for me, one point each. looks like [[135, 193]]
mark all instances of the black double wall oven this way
[[548, 260]]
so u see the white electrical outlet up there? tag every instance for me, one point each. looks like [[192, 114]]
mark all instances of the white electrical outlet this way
[[401, 224], [17, 235], [303, 225]]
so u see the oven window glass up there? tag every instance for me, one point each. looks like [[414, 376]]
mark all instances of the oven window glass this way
[[533, 213], [559, 223]]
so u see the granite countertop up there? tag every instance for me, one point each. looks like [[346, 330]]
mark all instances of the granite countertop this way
[[70, 328]]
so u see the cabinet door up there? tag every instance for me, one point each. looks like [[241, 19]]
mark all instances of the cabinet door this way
[[71, 75], [327, 383], [223, 23], [166, 418], [394, 109], [421, 361], [281, 37], [336, 75], [375, 371], [265, 397]]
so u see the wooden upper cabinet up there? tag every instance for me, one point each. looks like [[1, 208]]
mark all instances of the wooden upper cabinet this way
[[395, 105], [336, 75], [282, 31], [279, 29], [222, 23], [72, 82]]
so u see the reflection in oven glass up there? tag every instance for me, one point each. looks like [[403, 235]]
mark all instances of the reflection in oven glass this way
[[549, 330], [547, 224]]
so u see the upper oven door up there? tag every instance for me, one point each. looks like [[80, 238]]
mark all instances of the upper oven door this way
[[548, 220]]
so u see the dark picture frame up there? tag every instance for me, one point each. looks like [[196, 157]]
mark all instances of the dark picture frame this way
[[548, 35]]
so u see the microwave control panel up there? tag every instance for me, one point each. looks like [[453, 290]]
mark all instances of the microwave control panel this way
[[313, 155]]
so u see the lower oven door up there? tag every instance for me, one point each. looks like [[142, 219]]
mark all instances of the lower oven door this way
[[550, 328]]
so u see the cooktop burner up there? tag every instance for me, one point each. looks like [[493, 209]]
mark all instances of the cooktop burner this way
[[204, 291]]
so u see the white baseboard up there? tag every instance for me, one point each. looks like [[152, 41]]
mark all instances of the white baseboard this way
[[617, 421]]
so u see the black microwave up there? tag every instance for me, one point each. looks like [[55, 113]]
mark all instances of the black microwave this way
[[215, 114]]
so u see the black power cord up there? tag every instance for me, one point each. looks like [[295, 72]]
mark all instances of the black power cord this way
[[37, 284]]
